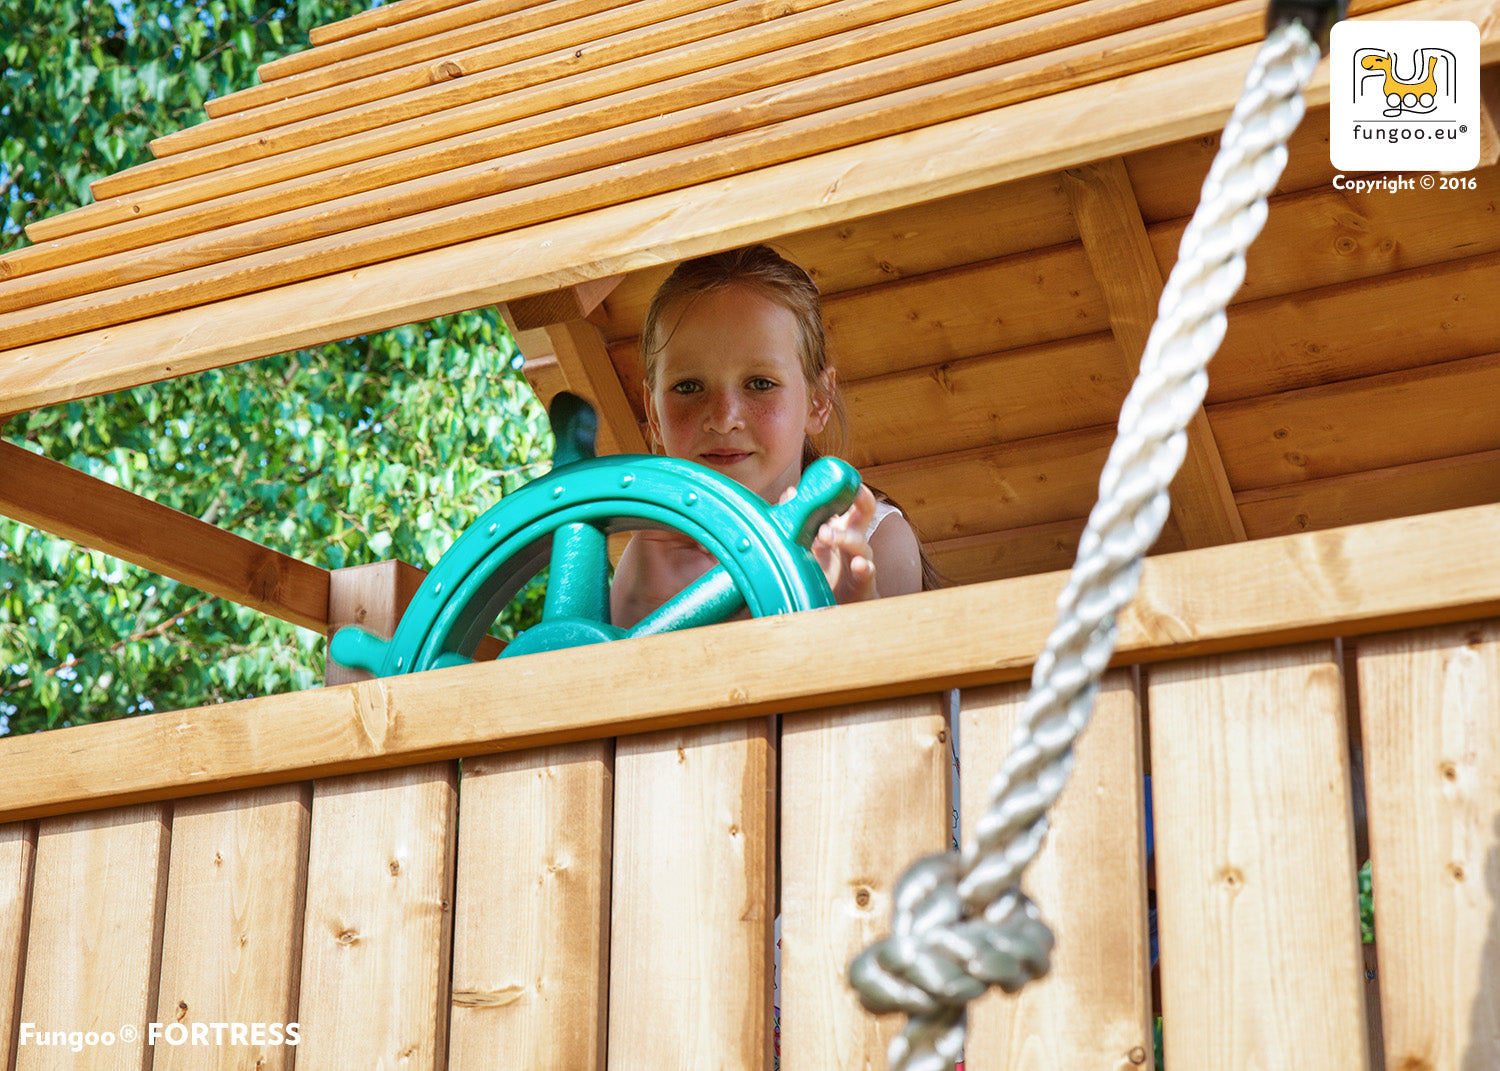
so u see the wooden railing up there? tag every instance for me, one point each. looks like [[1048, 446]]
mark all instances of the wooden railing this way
[[576, 859]]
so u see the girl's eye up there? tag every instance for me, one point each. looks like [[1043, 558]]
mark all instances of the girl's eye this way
[[687, 386], [761, 383]]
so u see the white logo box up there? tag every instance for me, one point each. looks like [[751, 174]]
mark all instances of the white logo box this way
[[1404, 96]]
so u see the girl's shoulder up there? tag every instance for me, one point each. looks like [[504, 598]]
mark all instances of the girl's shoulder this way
[[882, 511]]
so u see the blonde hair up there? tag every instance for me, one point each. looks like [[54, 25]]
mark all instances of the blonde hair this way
[[762, 269]]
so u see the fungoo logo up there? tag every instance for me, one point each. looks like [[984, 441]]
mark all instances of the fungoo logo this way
[[1404, 96]]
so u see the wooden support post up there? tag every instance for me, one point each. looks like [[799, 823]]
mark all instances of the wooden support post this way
[[1114, 237], [1255, 872], [17, 862], [95, 935], [373, 596], [865, 790], [1430, 701], [576, 358], [1093, 1009]]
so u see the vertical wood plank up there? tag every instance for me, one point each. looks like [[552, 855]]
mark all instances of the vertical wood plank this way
[[95, 934], [375, 947], [378, 923], [232, 949], [865, 792], [1255, 874], [692, 904], [17, 861], [531, 930], [1430, 702], [1093, 1008]]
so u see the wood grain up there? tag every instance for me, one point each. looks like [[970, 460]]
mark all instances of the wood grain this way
[[1093, 1008], [531, 928], [693, 898], [1376, 495], [1372, 578], [1432, 758], [865, 790], [95, 935], [379, 919], [1441, 410], [974, 402], [1255, 870], [232, 947]]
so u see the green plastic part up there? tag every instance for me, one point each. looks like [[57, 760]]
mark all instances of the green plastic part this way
[[562, 520]]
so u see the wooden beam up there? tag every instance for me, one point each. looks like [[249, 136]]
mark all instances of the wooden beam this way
[[585, 364], [1114, 236], [579, 302], [1346, 582], [65, 502], [1039, 136]]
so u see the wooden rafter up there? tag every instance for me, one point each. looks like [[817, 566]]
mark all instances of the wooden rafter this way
[[1114, 236], [65, 502]]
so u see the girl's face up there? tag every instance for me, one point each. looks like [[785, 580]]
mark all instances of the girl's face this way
[[730, 392]]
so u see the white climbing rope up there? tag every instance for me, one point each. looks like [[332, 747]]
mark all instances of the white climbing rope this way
[[960, 921]]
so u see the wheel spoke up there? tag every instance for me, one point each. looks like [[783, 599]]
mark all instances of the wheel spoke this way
[[578, 577], [713, 597]]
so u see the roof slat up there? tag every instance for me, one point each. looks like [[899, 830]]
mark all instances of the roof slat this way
[[376, 18], [582, 190], [379, 39], [508, 20]]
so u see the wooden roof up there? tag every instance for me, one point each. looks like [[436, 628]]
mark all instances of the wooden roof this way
[[989, 193]]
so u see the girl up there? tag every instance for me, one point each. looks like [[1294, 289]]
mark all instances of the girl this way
[[737, 378]]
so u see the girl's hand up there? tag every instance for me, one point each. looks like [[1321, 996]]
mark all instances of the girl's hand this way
[[843, 551]]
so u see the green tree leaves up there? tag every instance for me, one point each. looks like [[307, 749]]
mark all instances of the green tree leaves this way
[[379, 447]]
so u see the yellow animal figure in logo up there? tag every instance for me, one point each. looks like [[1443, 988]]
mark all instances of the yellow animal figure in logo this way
[[1395, 89]]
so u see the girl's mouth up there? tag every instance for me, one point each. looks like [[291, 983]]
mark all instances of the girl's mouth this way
[[725, 457]]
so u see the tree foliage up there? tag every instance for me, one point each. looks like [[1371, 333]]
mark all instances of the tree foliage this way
[[379, 447]]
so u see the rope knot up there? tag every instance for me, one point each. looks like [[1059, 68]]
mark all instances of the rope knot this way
[[936, 960]]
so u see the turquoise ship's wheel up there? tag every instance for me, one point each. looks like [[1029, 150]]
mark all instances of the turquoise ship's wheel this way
[[563, 520]]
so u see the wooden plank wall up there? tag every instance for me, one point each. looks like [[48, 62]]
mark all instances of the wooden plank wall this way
[[614, 901]]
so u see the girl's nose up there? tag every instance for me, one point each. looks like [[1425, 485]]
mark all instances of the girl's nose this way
[[724, 412]]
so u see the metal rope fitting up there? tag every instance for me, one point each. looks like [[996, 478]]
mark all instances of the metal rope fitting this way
[[1317, 16]]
